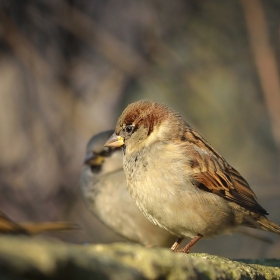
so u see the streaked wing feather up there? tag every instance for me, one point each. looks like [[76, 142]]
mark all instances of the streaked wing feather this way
[[213, 174]]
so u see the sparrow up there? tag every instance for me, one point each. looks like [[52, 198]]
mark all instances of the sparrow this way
[[8, 226], [104, 189], [178, 180]]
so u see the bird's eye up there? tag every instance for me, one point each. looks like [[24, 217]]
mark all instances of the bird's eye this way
[[129, 128]]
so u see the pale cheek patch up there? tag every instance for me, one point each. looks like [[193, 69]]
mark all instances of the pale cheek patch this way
[[158, 133]]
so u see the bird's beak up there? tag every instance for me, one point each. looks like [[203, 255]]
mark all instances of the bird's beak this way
[[114, 141], [92, 158]]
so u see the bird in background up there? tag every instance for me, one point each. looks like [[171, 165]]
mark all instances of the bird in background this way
[[8, 226], [104, 189], [178, 180]]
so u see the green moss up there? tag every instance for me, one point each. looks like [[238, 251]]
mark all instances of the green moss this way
[[23, 257]]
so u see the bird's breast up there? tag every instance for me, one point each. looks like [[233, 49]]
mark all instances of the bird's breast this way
[[160, 184]]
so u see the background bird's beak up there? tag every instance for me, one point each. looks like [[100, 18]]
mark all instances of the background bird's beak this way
[[93, 159], [114, 141]]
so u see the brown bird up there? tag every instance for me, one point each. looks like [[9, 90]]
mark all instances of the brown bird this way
[[8, 226], [104, 189], [178, 180]]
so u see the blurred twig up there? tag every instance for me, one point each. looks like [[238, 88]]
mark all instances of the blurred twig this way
[[116, 52], [265, 61], [21, 46]]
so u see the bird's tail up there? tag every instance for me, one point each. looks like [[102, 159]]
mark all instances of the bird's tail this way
[[268, 225]]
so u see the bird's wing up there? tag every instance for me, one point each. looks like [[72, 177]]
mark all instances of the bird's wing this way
[[211, 173]]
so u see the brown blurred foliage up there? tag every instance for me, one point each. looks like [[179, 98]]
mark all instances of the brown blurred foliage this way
[[68, 68]]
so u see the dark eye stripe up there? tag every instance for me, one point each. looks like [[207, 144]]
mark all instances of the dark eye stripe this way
[[106, 153]]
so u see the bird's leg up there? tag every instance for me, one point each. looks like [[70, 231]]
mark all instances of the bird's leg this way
[[176, 244], [187, 248]]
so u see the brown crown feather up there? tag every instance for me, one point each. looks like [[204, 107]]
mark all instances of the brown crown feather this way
[[146, 113]]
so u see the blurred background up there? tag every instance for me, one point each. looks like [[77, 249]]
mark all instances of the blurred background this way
[[69, 68]]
